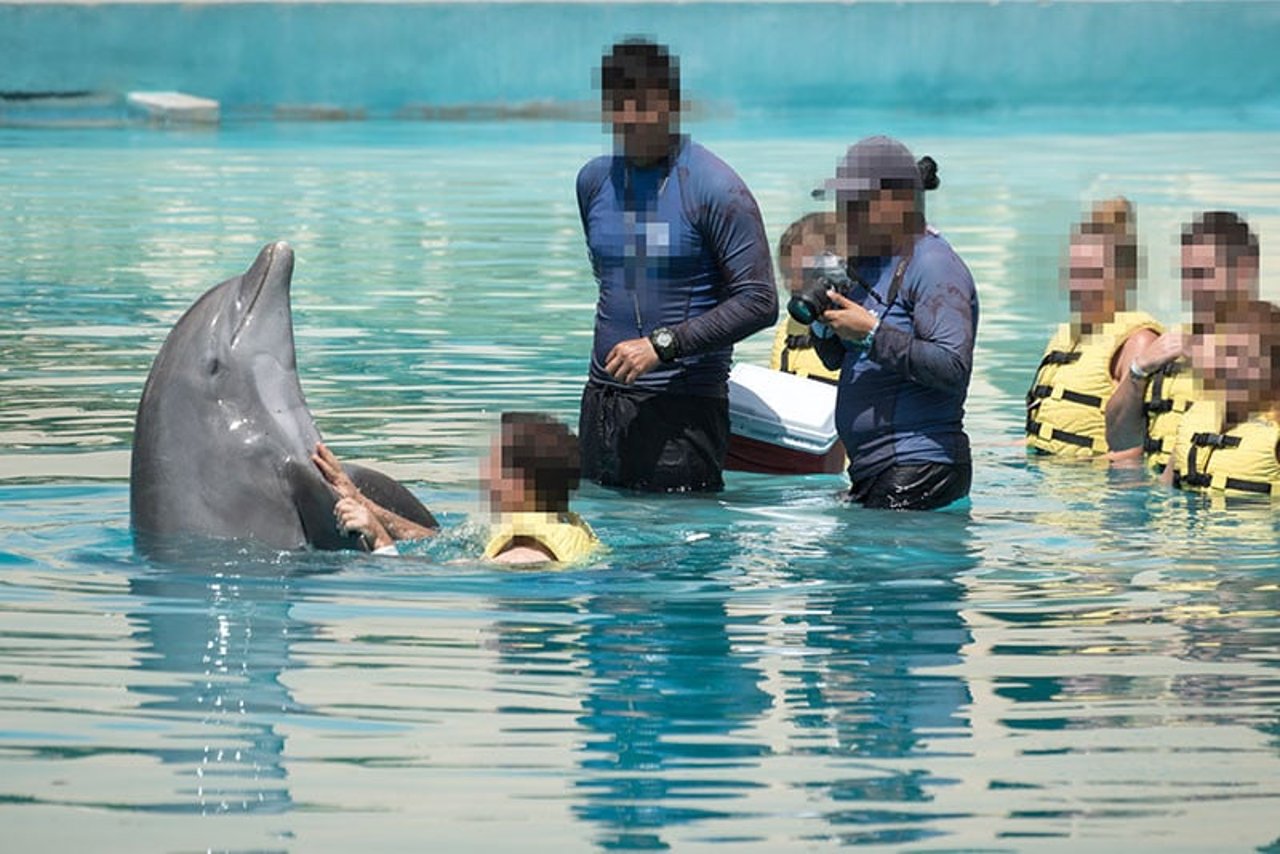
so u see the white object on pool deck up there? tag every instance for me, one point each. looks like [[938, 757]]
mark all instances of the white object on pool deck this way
[[175, 107], [781, 423]]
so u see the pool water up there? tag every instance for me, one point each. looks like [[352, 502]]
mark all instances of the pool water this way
[[1080, 659]]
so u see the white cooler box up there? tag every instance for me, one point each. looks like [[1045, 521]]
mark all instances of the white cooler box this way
[[781, 423]]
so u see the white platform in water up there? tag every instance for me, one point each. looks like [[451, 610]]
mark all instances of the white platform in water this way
[[782, 409], [175, 107]]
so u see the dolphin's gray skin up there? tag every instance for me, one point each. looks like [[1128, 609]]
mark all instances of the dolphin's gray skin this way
[[223, 439]]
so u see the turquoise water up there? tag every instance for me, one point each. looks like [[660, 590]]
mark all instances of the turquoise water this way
[[1080, 660]]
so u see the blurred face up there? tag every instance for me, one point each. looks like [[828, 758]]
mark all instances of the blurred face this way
[[1207, 278], [876, 224], [1091, 281], [505, 487], [643, 122], [801, 255], [1233, 364]]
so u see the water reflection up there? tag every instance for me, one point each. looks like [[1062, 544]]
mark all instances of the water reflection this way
[[890, 627], [214, 643], [666, 717]]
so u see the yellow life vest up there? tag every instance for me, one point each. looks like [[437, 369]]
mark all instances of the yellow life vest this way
[[1067, 402], [565, 535], [1170, 393], [1241, 460], [793, 353]]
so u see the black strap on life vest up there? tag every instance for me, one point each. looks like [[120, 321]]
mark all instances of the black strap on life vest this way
[[1039, 392], [1059, 357], [1078, 439], [1197, 476], [800, 342], [1158, 402], [1152, 445]]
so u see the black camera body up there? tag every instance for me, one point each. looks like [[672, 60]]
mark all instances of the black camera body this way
[[828, 274]]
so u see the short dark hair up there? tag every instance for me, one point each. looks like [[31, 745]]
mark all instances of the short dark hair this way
[[1226, 230], [543, 453], [640, 65]]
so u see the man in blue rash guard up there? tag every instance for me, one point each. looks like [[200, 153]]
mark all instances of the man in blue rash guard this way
[[903, 337], [680, 255]]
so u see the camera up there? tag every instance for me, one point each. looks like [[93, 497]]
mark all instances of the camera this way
[[828, 274]]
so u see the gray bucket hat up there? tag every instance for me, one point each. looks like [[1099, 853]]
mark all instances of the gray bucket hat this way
[[872, 164]]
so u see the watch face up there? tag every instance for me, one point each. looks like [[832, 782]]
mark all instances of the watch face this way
[[665, 338]]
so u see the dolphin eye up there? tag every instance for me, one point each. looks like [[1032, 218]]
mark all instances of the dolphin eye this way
[[214, 366]]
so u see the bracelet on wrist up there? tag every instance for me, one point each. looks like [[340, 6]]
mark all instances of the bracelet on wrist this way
[[865, 341], [1136, 373]]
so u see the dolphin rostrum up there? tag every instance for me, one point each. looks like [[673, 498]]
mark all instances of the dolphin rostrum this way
[[223, 437]]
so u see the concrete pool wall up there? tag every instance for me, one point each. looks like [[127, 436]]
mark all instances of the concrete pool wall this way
[[374, 59]]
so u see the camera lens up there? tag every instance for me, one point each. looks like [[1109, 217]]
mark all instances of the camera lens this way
[[802, 310]]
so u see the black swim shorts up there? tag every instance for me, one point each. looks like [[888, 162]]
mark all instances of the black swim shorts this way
[[919, 487], [653, 441]]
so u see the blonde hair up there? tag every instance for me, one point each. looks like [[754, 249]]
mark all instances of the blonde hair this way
[[1112, 219]]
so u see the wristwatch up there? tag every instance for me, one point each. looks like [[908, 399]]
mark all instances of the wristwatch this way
[[1136, 373], [665, 344]]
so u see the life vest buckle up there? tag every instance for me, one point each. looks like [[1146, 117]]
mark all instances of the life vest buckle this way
[[1214, 440]]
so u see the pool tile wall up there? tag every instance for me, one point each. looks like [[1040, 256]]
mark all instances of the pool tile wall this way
[[370, 59]]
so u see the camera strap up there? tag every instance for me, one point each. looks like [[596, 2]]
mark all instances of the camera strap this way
[[895, 284], [898, 275]]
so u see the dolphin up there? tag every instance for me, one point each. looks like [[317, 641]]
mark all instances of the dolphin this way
[[223, 438]]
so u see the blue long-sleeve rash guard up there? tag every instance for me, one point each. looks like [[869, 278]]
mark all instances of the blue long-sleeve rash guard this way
[[902, 401], [680, 244]]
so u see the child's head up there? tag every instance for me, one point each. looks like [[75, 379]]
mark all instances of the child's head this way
[[802, 243], [534, 466], [1240, 359]]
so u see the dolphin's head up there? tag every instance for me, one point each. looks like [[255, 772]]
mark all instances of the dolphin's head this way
[[248, 355], [225, 383]]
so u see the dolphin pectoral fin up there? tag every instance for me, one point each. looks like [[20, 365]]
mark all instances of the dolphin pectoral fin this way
[[391, 494], [314, 502]]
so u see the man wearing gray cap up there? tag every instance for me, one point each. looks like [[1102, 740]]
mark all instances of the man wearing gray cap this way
[[902, 335]]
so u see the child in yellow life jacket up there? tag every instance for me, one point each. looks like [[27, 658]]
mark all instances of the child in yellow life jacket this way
[[530, 475], [1081, 402], [1229, 441], [804, 241], [533, 468]]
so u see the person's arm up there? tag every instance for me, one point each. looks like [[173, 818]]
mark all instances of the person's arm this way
[[393, 524], [1126, 418], [938, 349], [733, 224]]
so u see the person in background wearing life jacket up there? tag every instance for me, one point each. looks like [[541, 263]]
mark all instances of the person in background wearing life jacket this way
[[802, 246], [532, 469], [1219, 260], [681, 260], [1228, 442], [902, 334], [1089, 358]]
